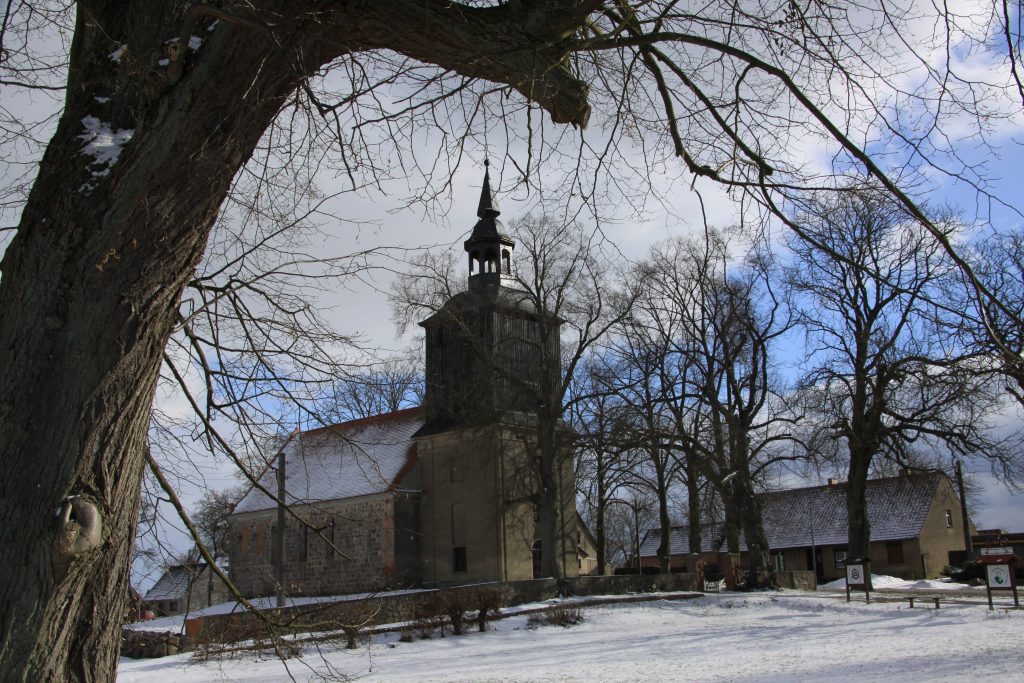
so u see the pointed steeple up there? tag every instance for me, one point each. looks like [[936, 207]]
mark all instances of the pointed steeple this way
[[489, 249], [487, 203]]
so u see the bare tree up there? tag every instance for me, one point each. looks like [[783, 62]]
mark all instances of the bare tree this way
[[603, 460], [389, 387], [995, 331], [882, 379], [164, 106], [644, 429], [712, 324]]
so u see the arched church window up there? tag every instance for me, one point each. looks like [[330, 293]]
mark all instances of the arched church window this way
[[506, 261]]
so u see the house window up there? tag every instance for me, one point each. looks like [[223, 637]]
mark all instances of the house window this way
[[840, 558], [894, 552], [173, 607], [777, 562], [949, 519], [459, 561]]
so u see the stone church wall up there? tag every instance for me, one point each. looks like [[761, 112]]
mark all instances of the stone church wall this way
[[373, 532]]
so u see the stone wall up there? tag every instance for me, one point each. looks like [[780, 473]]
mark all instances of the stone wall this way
[[386, 609], [365, 529], [798, 580], [149, 644]]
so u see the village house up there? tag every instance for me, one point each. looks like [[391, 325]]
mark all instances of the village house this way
[[916, 529], [431, 496], [184, 587]]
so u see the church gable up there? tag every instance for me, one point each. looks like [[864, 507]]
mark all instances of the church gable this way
[[357, 458]]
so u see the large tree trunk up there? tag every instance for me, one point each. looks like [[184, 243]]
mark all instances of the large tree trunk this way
[[863, 441], [92, 279], [857, 508], [551, 518], [758, 575], [90, 289], [693, 505], [664, 522], [599, 524]]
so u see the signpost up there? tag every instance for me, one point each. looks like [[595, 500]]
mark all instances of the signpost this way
[[999, 564], [856, 577]]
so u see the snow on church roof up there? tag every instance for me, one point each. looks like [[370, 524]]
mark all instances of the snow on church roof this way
[[355, 458]]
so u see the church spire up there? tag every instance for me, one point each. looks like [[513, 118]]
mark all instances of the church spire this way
[[489, 249], [487, 203]]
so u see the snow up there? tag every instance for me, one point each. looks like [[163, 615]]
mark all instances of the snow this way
[[176, 624], [194, 42], [103, 144], [117, 54], [763, 637], [893, 583]]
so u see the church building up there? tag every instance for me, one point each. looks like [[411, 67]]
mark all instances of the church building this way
[[443, 494]]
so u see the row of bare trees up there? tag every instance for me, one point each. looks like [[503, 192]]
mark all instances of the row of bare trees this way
[[849, 349]]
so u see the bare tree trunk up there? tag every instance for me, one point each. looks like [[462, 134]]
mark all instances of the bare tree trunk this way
[[859, 542], [751, 522], [93, 277], [550, 507], [693, 505], [78, 368], [599, 524], [664, 522]]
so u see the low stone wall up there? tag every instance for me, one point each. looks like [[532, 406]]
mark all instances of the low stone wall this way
[[148, 644], [632, 583], [388, 609], [802, 580]]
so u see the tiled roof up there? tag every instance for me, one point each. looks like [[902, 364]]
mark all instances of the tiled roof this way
[[173, 585], [355, 458], [679, 538], [897, 508]]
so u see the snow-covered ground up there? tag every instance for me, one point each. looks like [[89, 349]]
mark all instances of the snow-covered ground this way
[[887, 583], [786, 636]]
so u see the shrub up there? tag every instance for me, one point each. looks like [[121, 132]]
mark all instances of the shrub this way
[[562, 615]]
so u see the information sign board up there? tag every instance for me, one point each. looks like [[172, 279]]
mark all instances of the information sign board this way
[[998, 576], [856, 577]]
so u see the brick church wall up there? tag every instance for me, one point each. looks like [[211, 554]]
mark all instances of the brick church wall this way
[[373, 533]]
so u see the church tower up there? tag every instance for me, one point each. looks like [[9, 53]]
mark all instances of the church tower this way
[[482, 347], [484, 381]]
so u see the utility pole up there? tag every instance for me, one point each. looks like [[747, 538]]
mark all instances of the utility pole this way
[[279, 536], [968, 544]]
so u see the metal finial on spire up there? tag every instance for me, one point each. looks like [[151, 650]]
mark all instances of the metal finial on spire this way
[[487, 206]]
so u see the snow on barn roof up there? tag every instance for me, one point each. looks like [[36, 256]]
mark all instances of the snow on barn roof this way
[[355, 458], [174, 583], [897, 508]]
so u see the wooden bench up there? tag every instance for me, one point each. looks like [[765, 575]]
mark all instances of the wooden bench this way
[[934, 598]]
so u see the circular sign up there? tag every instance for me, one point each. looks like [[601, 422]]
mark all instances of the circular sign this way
[[998, 575]]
